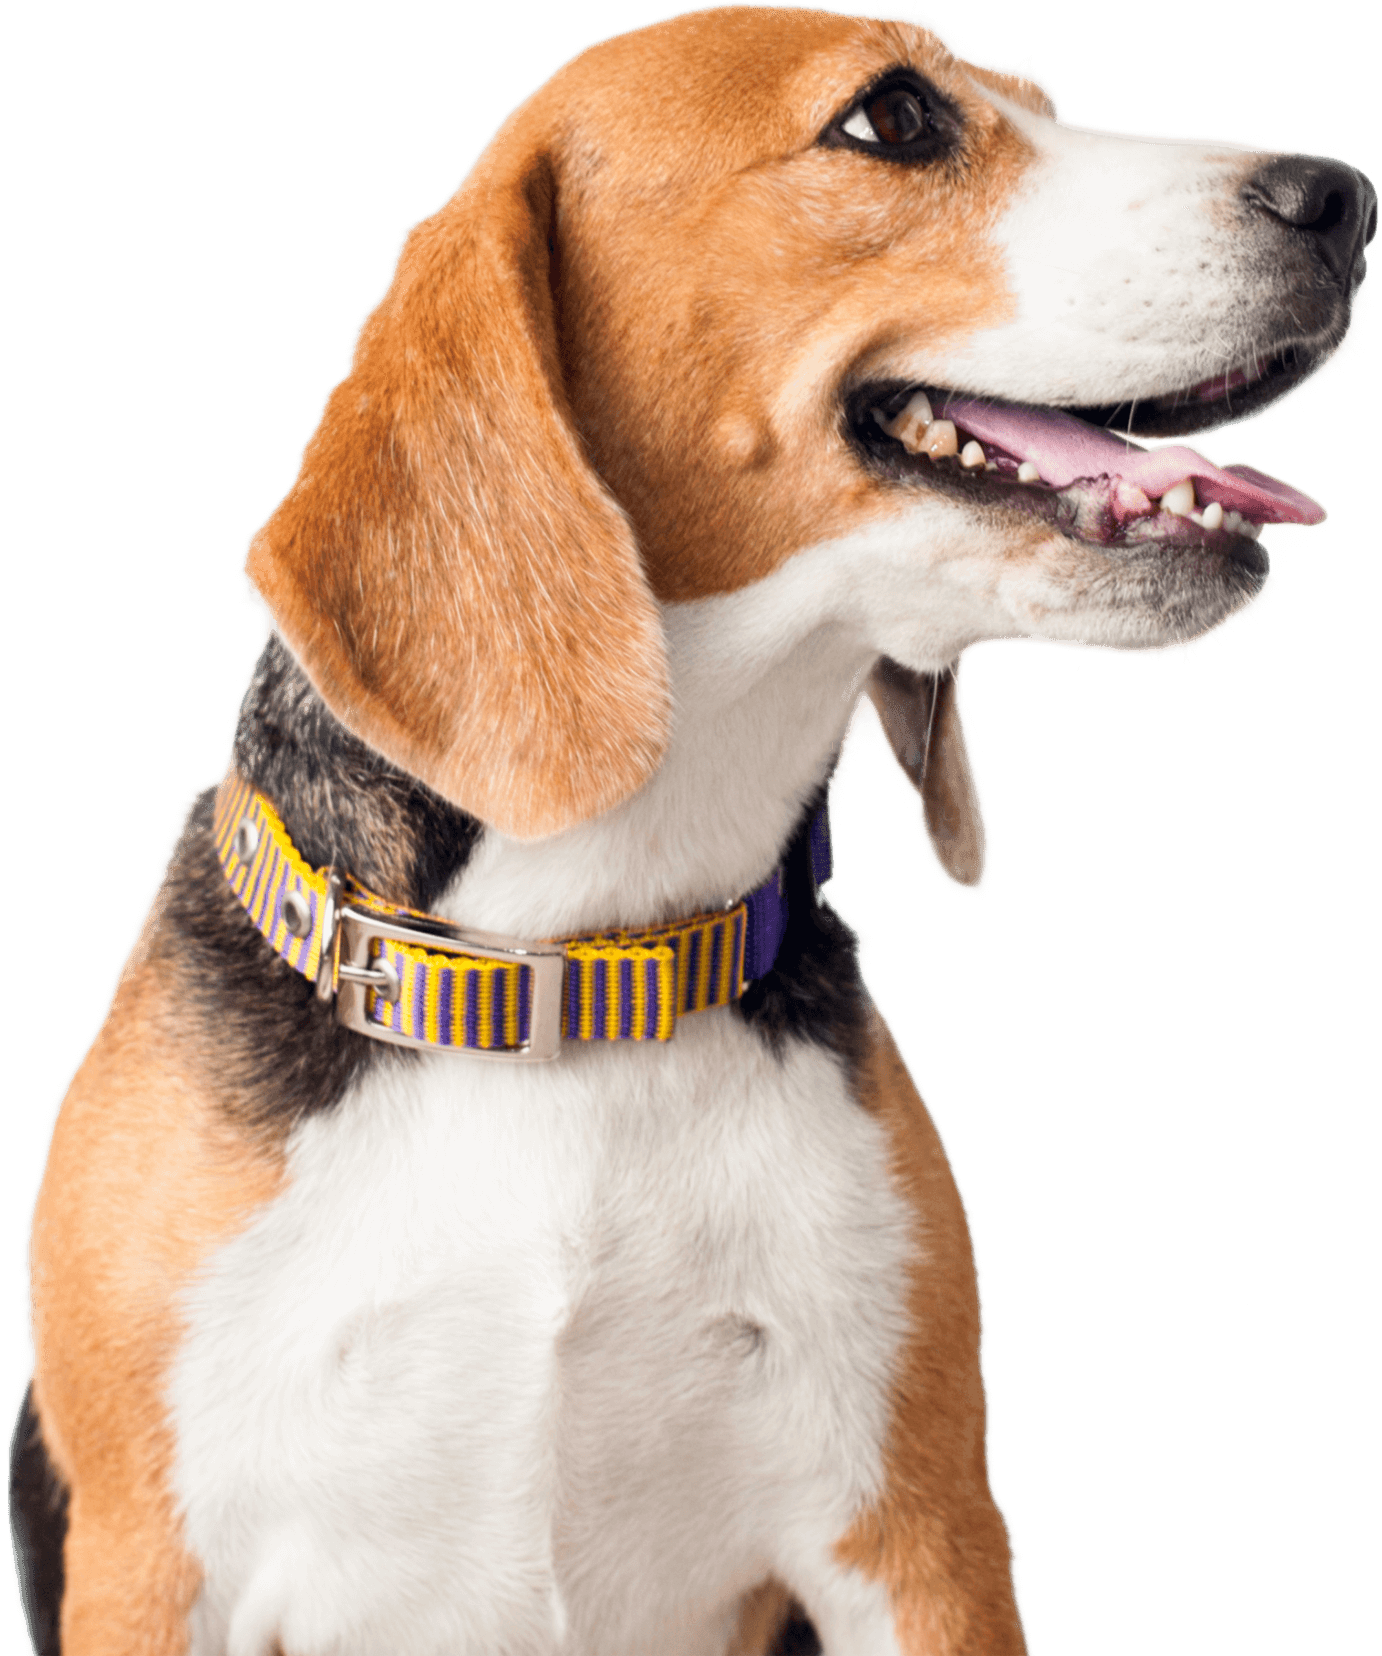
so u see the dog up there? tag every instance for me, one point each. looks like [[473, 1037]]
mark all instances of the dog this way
[[631, 490]]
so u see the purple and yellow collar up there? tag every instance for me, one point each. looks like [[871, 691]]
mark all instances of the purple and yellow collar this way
[[402, 976]]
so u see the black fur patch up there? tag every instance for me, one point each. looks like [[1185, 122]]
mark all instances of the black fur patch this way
[[279, 1053], [814, 991], [38, 1528], [340, 801], [797, 1638]]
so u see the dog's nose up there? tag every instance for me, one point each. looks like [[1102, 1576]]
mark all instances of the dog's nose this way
[[1325, 199]]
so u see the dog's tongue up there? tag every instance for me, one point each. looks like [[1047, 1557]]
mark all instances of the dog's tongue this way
[[1064, 449]]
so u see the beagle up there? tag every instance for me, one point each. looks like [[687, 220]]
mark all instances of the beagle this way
[[540, 1245]]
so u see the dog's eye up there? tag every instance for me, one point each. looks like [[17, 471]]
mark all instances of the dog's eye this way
[[900, 117], [893, 116]]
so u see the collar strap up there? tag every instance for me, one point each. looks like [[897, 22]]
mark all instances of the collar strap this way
[[399, 975]]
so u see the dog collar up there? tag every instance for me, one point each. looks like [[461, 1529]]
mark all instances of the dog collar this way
[[399, 975]]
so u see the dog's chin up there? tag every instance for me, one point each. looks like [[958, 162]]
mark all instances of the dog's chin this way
[[1050, 586], [1142, 597], [1094, 580]]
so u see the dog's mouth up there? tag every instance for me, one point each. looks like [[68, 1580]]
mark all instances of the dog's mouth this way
[[1069, 469]]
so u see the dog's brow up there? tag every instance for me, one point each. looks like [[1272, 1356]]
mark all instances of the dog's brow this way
[[1017, 88]]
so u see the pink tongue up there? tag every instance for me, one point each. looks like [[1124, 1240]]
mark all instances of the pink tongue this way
[[1064, 449]]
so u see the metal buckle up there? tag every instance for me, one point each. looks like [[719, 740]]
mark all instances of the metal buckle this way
[[347, 949]]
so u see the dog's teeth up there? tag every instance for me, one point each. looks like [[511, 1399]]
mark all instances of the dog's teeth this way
[[1131, 499], [972, 455], [1213, 515], [1028, 473], [1237, 524], [1180, 501], [909, 427], [940, 439], [918, 408]]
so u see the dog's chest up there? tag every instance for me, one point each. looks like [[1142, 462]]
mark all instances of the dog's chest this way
[[543, 1358]]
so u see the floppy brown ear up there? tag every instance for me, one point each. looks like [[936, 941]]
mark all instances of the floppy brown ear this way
[[921, 720], [453, 576]]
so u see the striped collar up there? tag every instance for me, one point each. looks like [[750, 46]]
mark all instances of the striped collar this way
[[398, 975]]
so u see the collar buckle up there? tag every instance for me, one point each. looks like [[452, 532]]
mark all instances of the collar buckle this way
[[346, 963]]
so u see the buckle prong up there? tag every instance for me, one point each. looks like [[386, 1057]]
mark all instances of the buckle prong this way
[[382, 977]]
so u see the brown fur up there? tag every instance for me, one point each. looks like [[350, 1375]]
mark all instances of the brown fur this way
[[736, 356], [464, 593], [762, 1616], [452, 568], [1015, 88], [921, 719], [144, 1179], [935, 1537]]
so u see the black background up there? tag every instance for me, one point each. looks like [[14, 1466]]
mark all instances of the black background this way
[[1136, 1042]]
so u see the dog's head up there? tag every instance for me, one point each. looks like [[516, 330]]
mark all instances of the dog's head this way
[[754, 282]]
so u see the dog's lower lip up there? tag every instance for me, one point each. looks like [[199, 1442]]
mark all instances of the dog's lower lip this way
[[1085, 513]]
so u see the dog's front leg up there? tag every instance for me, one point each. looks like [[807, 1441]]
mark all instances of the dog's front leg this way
[[145, 1178], [925, 1571]]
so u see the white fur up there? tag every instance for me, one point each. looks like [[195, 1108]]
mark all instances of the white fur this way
[[1128, 273], [569, 1357], [489, 1375], [764, 681]]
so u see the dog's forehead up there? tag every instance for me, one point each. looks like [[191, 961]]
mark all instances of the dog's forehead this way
[[723, 90]]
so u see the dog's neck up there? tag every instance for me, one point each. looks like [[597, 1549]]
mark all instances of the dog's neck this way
[[755, 736], [762, 702]]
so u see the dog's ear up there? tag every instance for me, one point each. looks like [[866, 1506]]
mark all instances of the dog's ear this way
[[457, 582], [921, 720]]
